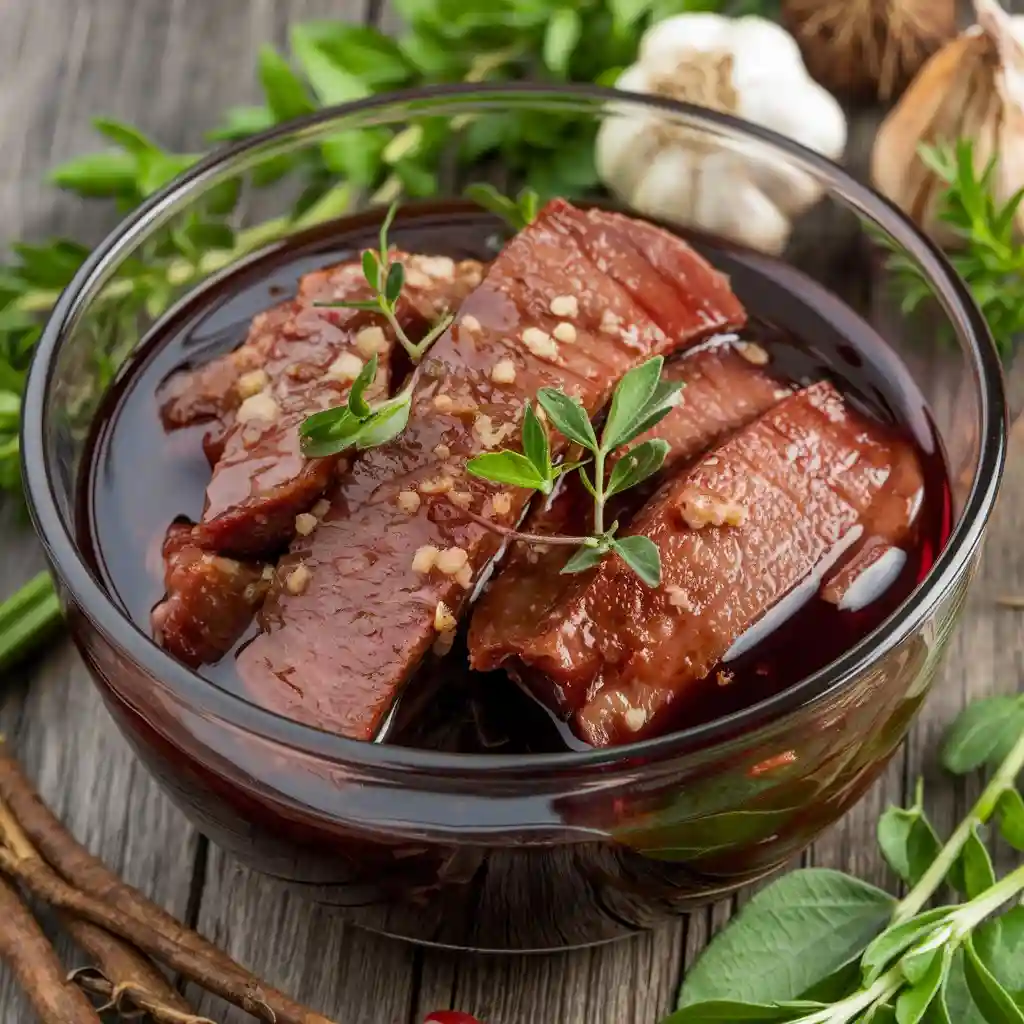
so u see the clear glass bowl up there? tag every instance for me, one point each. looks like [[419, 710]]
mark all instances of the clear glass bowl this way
[[540, 851]]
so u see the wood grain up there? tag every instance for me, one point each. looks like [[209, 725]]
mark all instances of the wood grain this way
[[171, 66]]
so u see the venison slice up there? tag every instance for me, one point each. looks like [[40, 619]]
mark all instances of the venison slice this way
[[574, 301], [722, 392], [744, 535]]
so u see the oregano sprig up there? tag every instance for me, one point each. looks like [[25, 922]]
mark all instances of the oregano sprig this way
[[640, 400], [956, 963], [387, 278], [518, 213]]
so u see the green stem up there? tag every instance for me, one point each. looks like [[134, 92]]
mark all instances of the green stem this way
[[599, 496], [27, 618], [972, 914], [1003, 779]]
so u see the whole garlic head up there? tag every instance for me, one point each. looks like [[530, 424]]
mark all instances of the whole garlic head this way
[[748, 67], [972, 89]]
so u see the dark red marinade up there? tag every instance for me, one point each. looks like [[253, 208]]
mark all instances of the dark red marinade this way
[[802, 499]]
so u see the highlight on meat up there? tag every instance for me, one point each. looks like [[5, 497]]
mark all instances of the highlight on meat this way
[[584, 491]]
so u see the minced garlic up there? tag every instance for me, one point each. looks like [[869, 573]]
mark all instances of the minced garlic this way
[[408, 501], [371, 341], [565, 332], [444, 621], [425, 558], [540, 343], [252, 383], [345, 368], [564, 305], [502, 503], [451, 560], [305, 524], [258, 407], [504, 372], [298, 579]]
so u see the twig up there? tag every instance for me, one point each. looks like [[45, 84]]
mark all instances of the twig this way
[[117, 961], [96, 894], [28, 953], [528, 538], [128, 971], [126, 998]]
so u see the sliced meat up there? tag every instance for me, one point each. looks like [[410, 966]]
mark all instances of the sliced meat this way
[[723, 392], [210, 599], [295, 329], [744, 536], [261, 480], [574, 301]]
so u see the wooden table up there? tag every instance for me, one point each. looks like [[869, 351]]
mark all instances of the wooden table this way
[[172, 66]]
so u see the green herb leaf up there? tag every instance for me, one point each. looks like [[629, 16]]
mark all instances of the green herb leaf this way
[[629, 401], [585, 558], [568, 417], [912, 1004], [286, 95], [728, 1011], [995, 1003], [637, 465], [241, 122], [827, 918], [127, 136], [535, 444], [897, 939], [386, 422], [508, 468], [357, 404], [395, 281], [908, 840], [1010, 809], [371, 269], [973, 873], [983, 733], [641, 554], [627, 12], [514, 214], [97, 176], [331, 82], [665, 398], [328, 432], [560, 39]]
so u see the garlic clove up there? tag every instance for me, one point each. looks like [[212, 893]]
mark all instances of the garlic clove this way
[[627, 142], [766, 55], [663, 42], [667, 185], [813, 117], [746, 214]]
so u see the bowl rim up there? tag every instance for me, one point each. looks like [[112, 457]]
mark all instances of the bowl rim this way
[[198, 694]]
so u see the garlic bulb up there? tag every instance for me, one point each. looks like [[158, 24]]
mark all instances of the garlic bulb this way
[[973, 88], [749, 67]]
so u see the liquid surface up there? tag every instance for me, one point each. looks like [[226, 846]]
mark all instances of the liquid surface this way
[[138, 478]]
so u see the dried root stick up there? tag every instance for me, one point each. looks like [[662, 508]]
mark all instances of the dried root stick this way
[[28, 953], [129, 1001], [102, 899]]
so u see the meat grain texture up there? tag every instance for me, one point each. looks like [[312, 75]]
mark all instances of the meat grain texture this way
[[573, 302]]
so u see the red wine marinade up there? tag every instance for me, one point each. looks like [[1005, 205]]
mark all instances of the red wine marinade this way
[[137, 478]]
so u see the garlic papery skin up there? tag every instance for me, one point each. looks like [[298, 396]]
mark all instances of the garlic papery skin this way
[[972, 89], [748, 67]]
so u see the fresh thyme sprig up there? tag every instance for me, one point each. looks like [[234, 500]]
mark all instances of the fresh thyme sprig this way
[[387, 278], [991, 260], [641, 400]]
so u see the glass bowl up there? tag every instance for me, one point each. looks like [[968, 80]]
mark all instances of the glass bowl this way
[[527, 852]]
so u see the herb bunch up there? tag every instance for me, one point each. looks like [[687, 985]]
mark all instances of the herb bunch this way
[[991, 260], [822, 947], [641, 400]]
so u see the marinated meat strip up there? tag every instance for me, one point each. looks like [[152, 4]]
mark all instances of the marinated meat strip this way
[[741, 534], [210, 599], [292, 331], [723, 392], [574, 301], [263, 488]]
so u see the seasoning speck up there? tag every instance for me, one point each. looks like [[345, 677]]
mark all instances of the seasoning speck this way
[[258, 407], [470, 323], [636, 719], [425, 558], [346, 367], [252, 383], [371, 341], [305, 524], [437, 484], [678, 598], [298, 579], [502, 503], [408, 501], [724, 677], [504, 372], [442, 451], [540, 343], [444, 621], [451, 560], [443, 403], [754, 353], [564, 305], [565, 332]]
